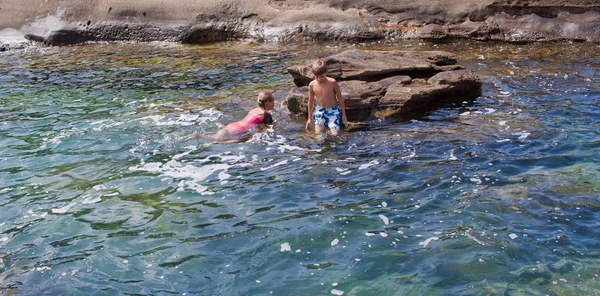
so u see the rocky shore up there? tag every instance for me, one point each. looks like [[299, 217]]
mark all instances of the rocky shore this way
[[377, 84], [54, 22]]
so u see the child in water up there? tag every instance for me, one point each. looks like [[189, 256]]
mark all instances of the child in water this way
[[256, 116], [330, 109]]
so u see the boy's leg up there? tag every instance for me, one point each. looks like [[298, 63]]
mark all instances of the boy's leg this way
[[320, 119], [319, 128], [334, 119]]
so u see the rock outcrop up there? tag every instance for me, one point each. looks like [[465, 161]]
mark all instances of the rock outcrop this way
[[58, 22], [380, 83]]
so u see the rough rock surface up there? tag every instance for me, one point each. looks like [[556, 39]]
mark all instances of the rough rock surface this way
[[195, 21], [381, 83]]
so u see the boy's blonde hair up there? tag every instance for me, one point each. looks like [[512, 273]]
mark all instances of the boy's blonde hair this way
[[263, 97], [319, 68]]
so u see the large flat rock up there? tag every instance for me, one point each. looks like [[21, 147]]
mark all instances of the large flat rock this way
[[381, 83]]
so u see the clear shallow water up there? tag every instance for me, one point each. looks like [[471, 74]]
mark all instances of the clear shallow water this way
[[101, 194]]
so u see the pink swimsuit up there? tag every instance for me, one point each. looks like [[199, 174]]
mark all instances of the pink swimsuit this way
[[240, 127]]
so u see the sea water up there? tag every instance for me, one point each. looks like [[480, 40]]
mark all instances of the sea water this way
[[102, 192]]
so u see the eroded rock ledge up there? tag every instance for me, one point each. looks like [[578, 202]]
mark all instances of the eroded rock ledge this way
[[377, 84], [56, 22]]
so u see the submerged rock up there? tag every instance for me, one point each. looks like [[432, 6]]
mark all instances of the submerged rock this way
[[377, 84]]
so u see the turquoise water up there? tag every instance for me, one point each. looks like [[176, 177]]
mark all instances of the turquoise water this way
[[101, 193]]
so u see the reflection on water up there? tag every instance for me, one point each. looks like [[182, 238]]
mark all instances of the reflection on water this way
[[102, 193]]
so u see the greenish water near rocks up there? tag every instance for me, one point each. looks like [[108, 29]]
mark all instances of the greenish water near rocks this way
[[101, 193]]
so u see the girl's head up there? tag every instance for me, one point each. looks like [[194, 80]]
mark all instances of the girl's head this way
[[266, 100]]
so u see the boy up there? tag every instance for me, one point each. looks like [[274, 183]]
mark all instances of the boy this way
[[328, 95]]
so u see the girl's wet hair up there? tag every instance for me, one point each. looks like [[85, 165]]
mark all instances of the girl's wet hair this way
[[267, 119], [263, 97]]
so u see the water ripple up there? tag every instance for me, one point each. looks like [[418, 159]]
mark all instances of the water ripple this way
[[102, 192]]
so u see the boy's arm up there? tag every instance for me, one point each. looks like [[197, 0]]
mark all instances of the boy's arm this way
[[340, 99], [311, 100]]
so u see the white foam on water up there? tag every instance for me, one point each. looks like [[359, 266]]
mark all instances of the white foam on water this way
[[284, 148], [274, 165], [476, 181], [337, 292], [223, 176], [99, 187], [385, 219], [91, 200], [162, 120], [184, 119], [191, 173], [285, 247], [279, 142], [475, 239], [12, 36], [369, 234], [343, 171], [411, 155], [101, 125], [427, 241], [42, 26], [53, 141], [452, 157], [368, 165], [64, 209], [522, 135]]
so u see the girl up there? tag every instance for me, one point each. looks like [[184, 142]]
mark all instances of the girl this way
[[258, 115]]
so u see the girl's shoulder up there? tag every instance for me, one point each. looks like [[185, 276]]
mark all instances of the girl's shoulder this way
[[261, 114], [258, 112]]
